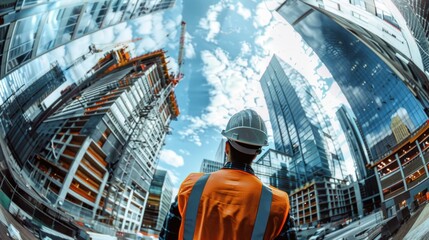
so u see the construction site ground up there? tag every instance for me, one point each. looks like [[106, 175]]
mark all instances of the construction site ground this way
[[5, 219], [420, 228], [406, 227]]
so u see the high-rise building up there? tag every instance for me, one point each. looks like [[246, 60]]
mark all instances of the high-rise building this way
[[220, 153], [209, 166], [300, 128], [376, 90], [399, 129], [19, 111], [415, 14], [355, 141], [158, 203], [101, 150], [396, 30], [369, 193], [29, 29], [325, 201], [270, 167]]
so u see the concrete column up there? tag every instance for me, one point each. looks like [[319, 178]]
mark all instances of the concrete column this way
[[377, 176], [100, 194], [308, 204], [127, 209], [358, 196], [402, 172], [422, 158], [72, 171], [317, 202]]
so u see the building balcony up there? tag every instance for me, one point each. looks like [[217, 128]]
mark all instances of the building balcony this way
[[390, 167], [87, 183], [82, 193], [393, 193], [412, 166], [416, 178], [70, 152], [100, 162], [390, 180], [91, 170], [407, 151]]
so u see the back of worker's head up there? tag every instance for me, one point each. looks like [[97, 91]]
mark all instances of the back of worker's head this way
[[246, 133]]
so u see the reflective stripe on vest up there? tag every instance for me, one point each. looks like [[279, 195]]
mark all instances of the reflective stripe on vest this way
[[192, 209], [195, 197], [263, 213]]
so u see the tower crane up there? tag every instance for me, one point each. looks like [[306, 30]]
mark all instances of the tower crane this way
[[93, 49], [180, 75], [124, 44]]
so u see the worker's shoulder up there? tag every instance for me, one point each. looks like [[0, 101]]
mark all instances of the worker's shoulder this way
[[189, 182], [191, 178], [279, 193]]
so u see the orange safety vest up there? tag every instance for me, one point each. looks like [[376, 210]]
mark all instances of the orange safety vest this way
[[230, 204]]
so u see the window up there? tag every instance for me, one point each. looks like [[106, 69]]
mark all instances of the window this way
[[22, 41]]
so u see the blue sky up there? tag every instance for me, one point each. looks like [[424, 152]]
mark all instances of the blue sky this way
[[228, 46], [231, 44]]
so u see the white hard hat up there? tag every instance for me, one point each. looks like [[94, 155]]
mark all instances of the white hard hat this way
[[246, 127]]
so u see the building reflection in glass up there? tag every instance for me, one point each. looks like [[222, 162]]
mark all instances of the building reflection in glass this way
[[374, 91], [300, 127]]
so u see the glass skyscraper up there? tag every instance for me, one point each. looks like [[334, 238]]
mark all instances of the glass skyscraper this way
[[415, 13], [374, 91], [395, 30], [354, 140], [158, 203], [300, 128], [369, 194]]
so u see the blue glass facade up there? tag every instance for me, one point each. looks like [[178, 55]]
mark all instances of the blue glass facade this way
[[375, 93], [300, 128], [159, 200], [354, 141], [29, 29], [416, 15]]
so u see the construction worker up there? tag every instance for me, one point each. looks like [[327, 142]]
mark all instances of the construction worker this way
[[231, 203]]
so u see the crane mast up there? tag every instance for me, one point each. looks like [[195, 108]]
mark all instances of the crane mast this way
[[182, 44], [179, 75]]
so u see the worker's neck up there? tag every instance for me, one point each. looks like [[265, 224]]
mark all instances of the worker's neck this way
[[238, 162]]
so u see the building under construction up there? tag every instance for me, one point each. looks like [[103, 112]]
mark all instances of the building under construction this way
[[100, 148], [325, 201]]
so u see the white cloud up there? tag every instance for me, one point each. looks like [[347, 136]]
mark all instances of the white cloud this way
[[171, 158], [211, 23], [144, 25], [263, 16], [173, 65], [245, 48], [234, 86], [189, 46], [242, 11], [184, 152]]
